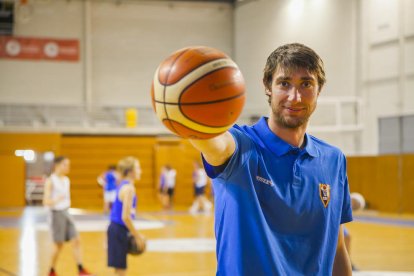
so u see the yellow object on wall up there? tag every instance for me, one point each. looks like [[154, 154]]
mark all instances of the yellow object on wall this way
[[131, 117]]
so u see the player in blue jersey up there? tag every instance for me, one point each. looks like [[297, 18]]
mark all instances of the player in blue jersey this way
[[108, 180], [281, 194], [122, 214]]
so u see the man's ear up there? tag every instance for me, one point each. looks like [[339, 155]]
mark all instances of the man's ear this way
[[268, 92]]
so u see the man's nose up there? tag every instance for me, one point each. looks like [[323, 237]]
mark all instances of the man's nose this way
[[294, 94]]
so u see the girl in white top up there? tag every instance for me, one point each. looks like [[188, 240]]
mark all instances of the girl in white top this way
[[170, 175], [60, 192], [57, 198]]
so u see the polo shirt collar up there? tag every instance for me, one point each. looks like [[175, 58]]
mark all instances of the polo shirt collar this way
[[278, 146]]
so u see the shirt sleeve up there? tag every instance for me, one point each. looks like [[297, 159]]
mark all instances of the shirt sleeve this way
[[346, 215], [243, 150]]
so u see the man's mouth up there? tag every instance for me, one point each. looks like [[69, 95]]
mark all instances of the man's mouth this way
[[294, 109]]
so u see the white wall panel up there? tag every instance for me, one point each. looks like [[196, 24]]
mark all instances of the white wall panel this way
[[327, 26], [40, 83], [383, 20], [130, 40], [324, 115], [383, 62], [383, 100], [346, 141], [408, 17], [409, 96], [45, 82], [409, 57]]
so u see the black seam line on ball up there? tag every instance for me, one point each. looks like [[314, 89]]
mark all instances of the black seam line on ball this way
[[201, 103], [195, 68], [198, 123], [185, 89], [165, 88]]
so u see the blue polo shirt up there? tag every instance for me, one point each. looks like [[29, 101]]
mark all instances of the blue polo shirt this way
[[278, 208]]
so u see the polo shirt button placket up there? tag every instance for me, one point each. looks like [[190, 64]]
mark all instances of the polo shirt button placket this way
[[296, 173]]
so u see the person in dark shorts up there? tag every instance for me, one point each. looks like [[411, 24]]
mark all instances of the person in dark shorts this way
[[162, 188], [170, 179], [200, 179], [122, 215], [57, 198]]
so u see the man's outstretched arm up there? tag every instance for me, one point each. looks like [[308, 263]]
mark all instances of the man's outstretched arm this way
[[216, 150]]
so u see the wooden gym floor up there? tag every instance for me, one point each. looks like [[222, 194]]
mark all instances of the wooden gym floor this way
[[182, 244]]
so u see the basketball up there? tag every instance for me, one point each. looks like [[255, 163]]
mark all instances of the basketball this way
[[358, 201], [135, 248], [198, 92]]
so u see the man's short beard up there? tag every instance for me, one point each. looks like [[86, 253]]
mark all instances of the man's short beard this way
[[291, 123]]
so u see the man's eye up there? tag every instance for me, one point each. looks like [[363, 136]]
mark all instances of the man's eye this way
[[284, 84], [307, 84]]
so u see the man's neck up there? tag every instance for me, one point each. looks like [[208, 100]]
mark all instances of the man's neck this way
[[292, 136]]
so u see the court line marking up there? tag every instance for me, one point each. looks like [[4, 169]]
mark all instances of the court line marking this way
[[5, 271], [385, 221]]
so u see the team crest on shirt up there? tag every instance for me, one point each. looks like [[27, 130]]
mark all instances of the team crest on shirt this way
[[325, 193]]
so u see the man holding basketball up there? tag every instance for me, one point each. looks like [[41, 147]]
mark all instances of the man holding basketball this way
[[281, 194]]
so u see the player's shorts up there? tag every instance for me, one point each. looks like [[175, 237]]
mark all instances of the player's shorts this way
[[200, 190], [117, 245], [62, 226], [110, 196], [170, 192]]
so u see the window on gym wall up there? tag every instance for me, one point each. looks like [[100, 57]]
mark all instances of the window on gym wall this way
[[396, 134]]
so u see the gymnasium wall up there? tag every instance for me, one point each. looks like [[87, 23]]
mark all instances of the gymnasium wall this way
[[367, 46], [386, 65], [12, 168], [387, 181], [45, 82], [121, 46], [368, 50], [90, 155]]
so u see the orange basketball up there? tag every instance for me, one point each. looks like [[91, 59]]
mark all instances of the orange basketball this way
[[198, 92]]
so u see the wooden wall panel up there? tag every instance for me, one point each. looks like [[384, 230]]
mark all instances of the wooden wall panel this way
[[408, 183], [180, 154], [9, 142], [13, 168], [386, 182], [12, 184], [360, 173], [90, 156]]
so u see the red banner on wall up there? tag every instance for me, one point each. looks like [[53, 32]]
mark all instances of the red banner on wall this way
[[13, 47]]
